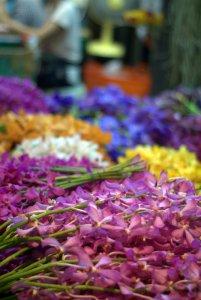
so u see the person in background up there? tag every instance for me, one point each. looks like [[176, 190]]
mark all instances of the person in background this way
[[59, 39], [29, 12], [143, 31]]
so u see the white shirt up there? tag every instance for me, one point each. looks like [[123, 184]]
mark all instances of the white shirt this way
[[29, 12], [67, 43]]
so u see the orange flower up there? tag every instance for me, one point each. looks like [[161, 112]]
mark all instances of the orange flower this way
[[23, 126]]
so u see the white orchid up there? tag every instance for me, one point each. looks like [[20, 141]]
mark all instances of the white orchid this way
[[61, 147]]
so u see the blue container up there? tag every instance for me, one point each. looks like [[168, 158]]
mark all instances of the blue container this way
[[10, 5]]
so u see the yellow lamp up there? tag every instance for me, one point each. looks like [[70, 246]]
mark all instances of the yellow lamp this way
[[106, 46]]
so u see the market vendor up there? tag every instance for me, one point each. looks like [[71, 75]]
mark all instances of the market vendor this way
[[28, 12], [59, 40]]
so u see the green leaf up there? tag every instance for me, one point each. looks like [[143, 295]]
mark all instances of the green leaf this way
[[2, 128]]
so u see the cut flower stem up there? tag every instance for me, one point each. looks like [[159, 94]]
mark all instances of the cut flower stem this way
[[119, 171]]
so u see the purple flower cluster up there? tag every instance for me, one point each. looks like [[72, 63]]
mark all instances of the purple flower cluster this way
[[138, 238], [171, 119], [184, 101], [20, 94], [183, 113], [58, 103]]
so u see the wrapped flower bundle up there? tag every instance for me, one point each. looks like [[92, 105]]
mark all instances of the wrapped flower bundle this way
[[177, 163], [63, 148], [20, 94], [137, 238], [23, 126]]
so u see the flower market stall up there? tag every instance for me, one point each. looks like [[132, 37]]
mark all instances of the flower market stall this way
[[100, 150], [74, 223]]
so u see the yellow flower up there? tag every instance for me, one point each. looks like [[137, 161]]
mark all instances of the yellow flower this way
[[177, 163], [141, 17]]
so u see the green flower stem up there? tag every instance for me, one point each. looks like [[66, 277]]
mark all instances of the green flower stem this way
[[27, 268], [16, 241], [13, 256], [64, 232], [2, 128], [11, 229], [46, 214], [70, 170], [68, 209], [59, 288], [61, 211], [119, 171], [120, 166], [32, 266], [23, 269], [6, 235], [11, 272], [66, 184], [95, 177], [191, 108], [39, 266], [82, 288], [4, 225], [6, 246], [15, 277], [53, 287]]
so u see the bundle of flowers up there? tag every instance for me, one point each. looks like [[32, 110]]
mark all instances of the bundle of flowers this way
[[177, 163], [23, 126], [20, 94], [183, 101], [183, 109], [135, 238], [61, 147], [171, 119]]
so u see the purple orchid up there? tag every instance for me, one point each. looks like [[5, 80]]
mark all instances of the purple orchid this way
[[137, 238]]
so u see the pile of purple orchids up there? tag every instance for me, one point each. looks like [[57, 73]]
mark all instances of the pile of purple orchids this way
[[136, 238]]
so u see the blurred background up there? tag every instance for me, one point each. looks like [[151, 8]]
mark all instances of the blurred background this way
[[143, 46], [100, 149]]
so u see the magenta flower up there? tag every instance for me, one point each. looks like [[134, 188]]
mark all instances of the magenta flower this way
[[137, 238]]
